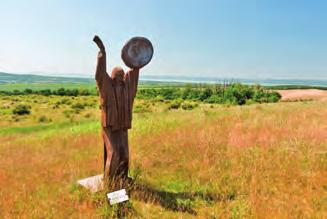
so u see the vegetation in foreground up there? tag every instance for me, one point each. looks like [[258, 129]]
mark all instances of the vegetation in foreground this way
[[214, 161]]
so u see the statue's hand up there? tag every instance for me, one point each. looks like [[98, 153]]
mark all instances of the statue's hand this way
[[99, 43]]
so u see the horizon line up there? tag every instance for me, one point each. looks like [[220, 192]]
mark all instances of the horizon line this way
[[87, 76]]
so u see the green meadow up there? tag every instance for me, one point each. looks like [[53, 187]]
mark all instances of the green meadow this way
[[203, 160]]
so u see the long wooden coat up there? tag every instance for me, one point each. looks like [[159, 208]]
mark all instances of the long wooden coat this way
[[116, 101]]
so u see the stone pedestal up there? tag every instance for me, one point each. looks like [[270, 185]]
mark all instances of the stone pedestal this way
[[93, 183]]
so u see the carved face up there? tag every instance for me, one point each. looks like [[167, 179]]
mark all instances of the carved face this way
[[117, 74]]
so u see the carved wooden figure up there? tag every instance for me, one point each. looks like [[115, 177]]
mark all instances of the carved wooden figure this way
[[117, 93]]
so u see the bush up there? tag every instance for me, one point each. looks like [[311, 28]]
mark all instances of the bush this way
[[43, 119], [78, 106], [215, 99], [191, 94], [45, 92], [249, 102], [273, 97], [68, 113], [142, 108], [88, 115], [28, 91], [84, 92], [65, 101], [170, 93], [22, 109], [206, 93], [189, 105], [237, 94], [175, 104]]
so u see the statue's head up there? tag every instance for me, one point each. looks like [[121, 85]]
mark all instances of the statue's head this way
[[117, 74]]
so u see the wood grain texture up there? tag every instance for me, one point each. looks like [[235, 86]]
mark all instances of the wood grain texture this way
[[116, 100]]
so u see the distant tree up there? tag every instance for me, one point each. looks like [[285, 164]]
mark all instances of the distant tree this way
[[61, 92], [186, 92], [45, 92], [17, 92], [273, 97], [84, 92], [28, 91], [206, 93]]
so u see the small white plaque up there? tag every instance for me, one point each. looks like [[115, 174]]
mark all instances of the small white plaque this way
[[117, 196], [119, 199], [116, 193]]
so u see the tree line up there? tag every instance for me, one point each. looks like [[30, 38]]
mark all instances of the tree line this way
[[235, 94], [47, 92]]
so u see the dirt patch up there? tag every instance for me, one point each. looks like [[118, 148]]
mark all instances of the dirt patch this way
[[303, 94]]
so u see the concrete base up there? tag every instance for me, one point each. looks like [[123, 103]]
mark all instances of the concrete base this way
[[93, 183]]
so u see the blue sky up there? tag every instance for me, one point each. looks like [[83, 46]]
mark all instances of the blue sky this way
[[221, 38]]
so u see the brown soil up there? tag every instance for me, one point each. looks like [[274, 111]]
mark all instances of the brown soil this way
[[303, 94]]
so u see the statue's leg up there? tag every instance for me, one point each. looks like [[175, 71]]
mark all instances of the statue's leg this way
[[124, 154], [109, 152], [114, 141], [120, 157], [104, 156]]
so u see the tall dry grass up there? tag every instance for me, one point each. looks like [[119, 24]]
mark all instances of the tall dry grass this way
[[258, 161]]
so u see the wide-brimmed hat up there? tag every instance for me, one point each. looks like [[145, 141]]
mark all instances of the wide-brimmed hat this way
[[137, 52]]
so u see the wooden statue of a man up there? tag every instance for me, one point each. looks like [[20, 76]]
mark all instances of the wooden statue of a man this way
[[117, 93]]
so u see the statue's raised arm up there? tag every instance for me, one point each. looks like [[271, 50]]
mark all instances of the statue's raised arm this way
[[99, 43], [101, 68], [132, 78]]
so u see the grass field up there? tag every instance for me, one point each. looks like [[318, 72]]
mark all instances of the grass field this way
[[215, 161], [88, 86]]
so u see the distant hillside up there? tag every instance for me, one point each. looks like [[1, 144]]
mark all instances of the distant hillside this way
[[6, 78], [161, 80]]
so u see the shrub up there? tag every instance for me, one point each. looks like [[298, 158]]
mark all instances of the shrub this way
[[45, 92], [60, 92], [236, 94], [175, 104], [189, 105], [192, 94], [249, 102], [215, 99], [78, 106], [22, 109], [259, 95], [142, 108], [43, 119], [273, 97], [28, 91], [206, 93], [67, 113], [88, 115], [55, 106], [170, 93], [65, 101], [84, 92]]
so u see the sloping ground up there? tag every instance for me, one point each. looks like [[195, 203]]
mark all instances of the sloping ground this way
[[6, 78], [303, 94], [233, 162]]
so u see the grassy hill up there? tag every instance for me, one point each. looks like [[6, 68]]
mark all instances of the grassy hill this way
[[10, 82], [210, 162], [6, 78]]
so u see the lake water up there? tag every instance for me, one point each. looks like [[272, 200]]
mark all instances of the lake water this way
[[267, 82]]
